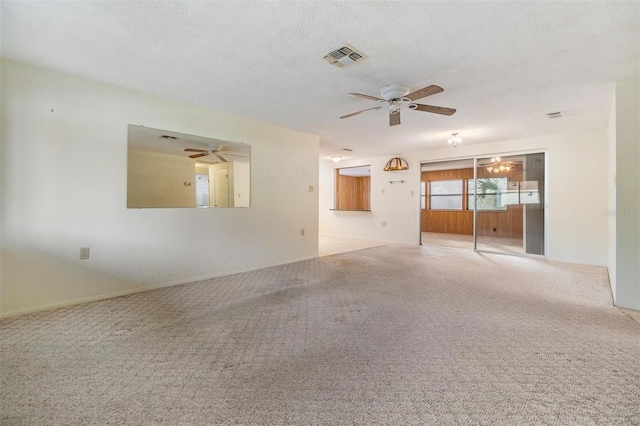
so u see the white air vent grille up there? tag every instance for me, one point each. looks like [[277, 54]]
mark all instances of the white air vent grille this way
[[343, 56], [557, 114]]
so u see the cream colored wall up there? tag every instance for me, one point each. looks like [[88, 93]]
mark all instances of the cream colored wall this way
[[577, 194], [241, 184], [157, 180], [202, 170], [74, 132]]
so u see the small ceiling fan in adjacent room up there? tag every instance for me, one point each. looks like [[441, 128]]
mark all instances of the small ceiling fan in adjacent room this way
[[395, 96], [213, 150]]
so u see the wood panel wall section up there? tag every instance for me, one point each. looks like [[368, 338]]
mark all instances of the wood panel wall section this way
[[447, 221], [352, 193], [506, 223]]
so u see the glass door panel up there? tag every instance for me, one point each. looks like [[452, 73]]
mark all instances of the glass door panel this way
[[508, 196]]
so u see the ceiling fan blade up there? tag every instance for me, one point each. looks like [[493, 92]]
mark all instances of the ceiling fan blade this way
[[235, 155], [195, 150], [424, 92], [394, 119], [221, 158], [360, 95], [360, 112], [435, 109], [204, 154]]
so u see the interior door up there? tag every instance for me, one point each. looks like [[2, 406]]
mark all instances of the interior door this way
[[221, 187]]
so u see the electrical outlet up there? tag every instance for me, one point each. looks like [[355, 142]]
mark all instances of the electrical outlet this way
[[84, 253], [310, 188], [383, 223], [382, 190], [412, 193], [302, 232]]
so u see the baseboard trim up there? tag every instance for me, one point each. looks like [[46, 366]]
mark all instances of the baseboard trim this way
[[135, 290]]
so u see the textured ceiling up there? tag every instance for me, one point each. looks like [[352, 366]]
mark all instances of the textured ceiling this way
[[155, 140], [503, 65]]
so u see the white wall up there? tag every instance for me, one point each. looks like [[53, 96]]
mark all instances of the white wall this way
[[627, 208], [74, 133], [577, 194]]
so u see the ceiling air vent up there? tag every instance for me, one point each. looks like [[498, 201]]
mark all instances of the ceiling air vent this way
[[557, 114], [343, 56]]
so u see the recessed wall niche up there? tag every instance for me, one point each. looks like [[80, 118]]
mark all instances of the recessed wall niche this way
[[353, 188]]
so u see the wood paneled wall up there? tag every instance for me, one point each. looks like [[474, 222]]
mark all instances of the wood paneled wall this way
[[506, 223], [353, 193], [447, 221]]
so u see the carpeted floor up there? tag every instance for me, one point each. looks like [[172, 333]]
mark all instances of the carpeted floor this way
[[334, 244], [496, 244], [395, 334]]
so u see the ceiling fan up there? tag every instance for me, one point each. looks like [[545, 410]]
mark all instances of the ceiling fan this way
[[212, 150], [395, 96]]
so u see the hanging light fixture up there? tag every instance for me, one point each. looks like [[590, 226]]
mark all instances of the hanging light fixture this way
[[497, 165], [335, 158], [454, 140], [396, 163]]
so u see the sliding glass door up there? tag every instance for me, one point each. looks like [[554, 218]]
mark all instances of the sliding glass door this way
[[507, 199]]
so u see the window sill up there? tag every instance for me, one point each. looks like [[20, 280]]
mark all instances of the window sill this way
[[349, 210]]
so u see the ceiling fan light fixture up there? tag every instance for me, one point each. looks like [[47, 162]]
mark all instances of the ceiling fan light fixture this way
[[498, 165], [395, 96], [393, 91]]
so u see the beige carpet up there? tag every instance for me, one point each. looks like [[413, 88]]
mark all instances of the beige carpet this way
[[334, 244], [394, 334]]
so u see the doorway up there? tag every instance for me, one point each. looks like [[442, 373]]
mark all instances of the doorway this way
[[489, 204], [221, 187], [202, 190]]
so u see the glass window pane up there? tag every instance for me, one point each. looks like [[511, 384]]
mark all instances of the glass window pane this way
[[445, 195], [493, 194], [446, 203], [448, 187], [529, 193]]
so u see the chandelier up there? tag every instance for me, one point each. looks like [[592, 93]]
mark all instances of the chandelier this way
[[497, 165]]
